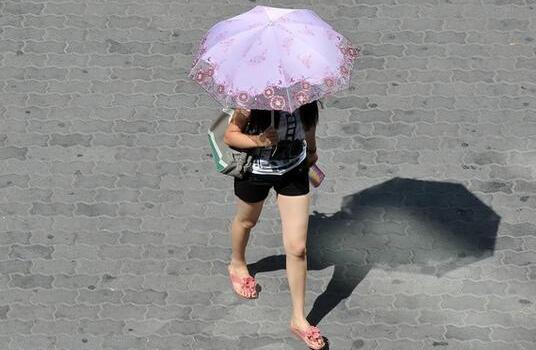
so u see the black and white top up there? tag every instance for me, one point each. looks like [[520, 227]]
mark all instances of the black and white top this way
[[290, 151]]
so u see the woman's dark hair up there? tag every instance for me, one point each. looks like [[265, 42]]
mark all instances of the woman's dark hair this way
[[260, 118]]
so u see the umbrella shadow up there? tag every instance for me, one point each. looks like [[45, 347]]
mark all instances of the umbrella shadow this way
[[425, 226]]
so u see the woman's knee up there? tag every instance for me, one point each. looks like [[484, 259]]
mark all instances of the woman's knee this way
[[248, 213], [246, 223], [296, 249]]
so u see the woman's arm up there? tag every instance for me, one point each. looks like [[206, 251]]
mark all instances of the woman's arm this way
[[310, 137], [234, 135]]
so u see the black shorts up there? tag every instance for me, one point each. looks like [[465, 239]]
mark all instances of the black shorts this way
[[255, 187]]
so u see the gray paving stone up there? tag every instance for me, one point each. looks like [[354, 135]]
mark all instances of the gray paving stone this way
[[117, 341], [420, 332], [468, 332], [511, 334]]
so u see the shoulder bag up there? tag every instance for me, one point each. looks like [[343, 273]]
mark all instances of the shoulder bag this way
[[228, 160]]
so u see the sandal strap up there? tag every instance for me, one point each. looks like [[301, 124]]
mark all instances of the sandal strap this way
[[248, 283], [240, 280], [313, 333]]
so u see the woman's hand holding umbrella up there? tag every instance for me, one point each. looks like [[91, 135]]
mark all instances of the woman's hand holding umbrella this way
[[268, 137]]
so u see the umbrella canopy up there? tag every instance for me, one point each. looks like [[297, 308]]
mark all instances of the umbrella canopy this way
[[274, 59]]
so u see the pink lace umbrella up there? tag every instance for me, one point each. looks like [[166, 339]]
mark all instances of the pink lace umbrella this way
[[274, 59]]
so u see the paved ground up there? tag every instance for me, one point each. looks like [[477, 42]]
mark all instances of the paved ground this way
[[114, 225]]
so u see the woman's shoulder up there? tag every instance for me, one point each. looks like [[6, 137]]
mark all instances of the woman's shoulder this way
[[228, 110], [240, 118]]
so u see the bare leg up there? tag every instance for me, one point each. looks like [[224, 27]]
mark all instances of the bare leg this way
[[294, 211], [246, 218]]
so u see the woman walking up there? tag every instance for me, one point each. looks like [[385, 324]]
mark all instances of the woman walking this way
[[282, 155]]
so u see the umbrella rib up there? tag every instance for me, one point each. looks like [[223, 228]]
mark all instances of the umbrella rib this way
[[231, 36], [238, 62], [312, 48], [284, 77], [237, 65], [321, 24], [327, 26]]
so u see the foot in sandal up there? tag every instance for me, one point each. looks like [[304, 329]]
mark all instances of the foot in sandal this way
[[243, 283], [308, 333]]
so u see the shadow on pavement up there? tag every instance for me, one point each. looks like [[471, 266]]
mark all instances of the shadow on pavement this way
[[424, 226]]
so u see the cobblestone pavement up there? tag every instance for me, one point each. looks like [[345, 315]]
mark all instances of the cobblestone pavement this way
[[115, 226]]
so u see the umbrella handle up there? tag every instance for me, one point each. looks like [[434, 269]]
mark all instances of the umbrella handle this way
[[272, 124], [275, 148]]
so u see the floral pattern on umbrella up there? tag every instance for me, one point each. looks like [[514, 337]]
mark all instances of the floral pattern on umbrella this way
[[273, 58]]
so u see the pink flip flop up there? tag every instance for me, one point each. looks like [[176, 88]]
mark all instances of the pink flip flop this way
[[310, 336], [247, 285]]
